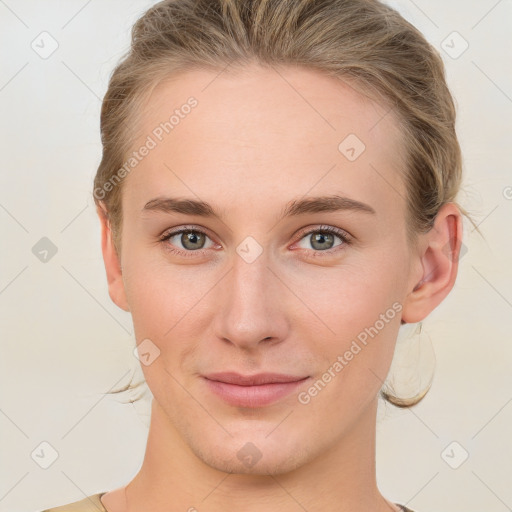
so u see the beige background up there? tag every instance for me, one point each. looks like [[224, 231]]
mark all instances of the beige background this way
[[64, 343]]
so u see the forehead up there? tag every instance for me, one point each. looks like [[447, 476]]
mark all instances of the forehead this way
[[269, 131]]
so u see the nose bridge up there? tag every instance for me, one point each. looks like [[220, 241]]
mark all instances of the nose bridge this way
[[250, 310]]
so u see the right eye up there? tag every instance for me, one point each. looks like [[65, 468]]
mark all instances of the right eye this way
[[191, 239]]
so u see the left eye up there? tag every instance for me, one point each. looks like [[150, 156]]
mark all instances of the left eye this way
[[322, 239]]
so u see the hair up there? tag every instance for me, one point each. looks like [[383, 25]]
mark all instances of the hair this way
[[362, 42]]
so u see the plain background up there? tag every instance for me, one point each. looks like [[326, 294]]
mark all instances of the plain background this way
[[65, 344]]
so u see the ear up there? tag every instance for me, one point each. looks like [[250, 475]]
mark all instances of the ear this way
[[438, 263], [112, 263]]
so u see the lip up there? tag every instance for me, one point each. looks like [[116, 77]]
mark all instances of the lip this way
[[252, 390]]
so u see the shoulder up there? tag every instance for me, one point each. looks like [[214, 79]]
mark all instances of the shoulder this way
[[89, 504]]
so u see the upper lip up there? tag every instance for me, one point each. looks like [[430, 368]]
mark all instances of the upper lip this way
[[252, 380]]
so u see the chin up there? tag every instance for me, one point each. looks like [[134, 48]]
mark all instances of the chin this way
[[252, 452], [270, 463]]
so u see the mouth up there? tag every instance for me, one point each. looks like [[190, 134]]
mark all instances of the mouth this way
[[252, 390]]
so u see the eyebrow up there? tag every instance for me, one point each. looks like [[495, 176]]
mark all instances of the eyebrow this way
[[293, 208]]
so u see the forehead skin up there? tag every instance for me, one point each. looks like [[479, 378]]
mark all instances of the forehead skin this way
[[259, 138]]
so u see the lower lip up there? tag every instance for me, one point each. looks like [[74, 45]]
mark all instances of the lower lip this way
[[253, 396]]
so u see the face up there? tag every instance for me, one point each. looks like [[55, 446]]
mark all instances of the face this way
[[267, 277]]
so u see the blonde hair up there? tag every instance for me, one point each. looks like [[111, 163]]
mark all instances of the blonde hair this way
[[364, 42]]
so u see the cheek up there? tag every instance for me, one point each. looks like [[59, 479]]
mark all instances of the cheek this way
[[162, 309], [355, 365], [159, 299], [343, 302], [167, 303], [361, 306]]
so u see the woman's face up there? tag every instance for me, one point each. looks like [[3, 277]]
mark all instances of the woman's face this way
[[258, 285]]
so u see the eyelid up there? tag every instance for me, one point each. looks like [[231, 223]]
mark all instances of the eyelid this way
[[326, 228], [170, 232]]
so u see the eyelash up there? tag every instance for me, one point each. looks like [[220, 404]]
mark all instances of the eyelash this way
[[343, 235]]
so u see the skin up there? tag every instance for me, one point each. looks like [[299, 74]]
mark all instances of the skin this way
[[256, 141]]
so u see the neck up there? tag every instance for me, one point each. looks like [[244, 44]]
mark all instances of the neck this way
[[172, 477]]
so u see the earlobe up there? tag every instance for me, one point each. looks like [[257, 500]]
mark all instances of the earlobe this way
[[439, 260], [111, 260]]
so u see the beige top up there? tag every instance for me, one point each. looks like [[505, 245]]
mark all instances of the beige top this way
[[93, 504]]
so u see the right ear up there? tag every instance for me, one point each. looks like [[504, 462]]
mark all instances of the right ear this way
[[111, 259]]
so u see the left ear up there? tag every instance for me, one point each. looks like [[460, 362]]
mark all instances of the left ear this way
[[439, 260]]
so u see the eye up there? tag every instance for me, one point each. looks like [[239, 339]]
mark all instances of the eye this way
[[323, 238], [186, 240]]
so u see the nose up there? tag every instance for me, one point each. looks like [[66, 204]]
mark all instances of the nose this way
[[253, 306]]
